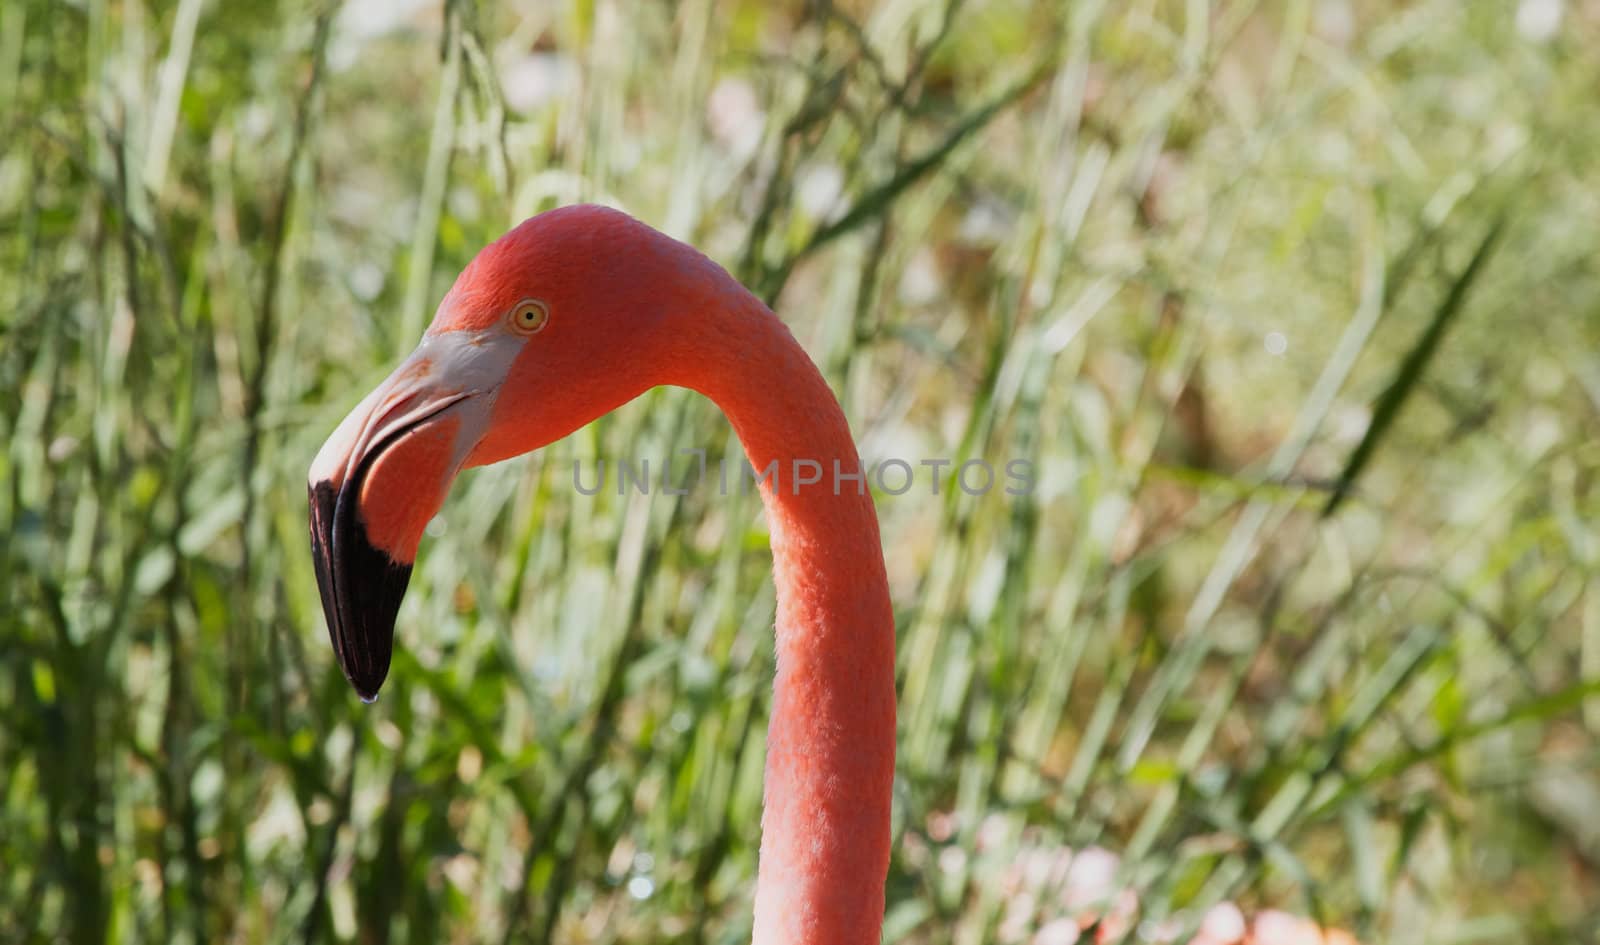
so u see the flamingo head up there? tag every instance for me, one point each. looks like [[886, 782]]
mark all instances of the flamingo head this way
[[553, 325]]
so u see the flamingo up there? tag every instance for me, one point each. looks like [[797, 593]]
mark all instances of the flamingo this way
[[566, 317], [569, 315]]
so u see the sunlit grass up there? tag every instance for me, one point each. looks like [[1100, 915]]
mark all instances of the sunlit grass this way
[[1206, 265]]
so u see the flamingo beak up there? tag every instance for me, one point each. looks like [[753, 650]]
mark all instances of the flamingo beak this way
[[374, 486], [361, 589]]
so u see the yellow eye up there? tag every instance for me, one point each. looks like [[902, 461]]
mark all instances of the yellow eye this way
[[529, 316]]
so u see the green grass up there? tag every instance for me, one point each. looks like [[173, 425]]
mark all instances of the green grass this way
[[1297, 321]]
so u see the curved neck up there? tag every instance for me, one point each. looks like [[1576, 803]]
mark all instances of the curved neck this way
[[830, 743]]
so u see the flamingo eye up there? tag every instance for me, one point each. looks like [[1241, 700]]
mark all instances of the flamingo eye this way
[[529, 316]]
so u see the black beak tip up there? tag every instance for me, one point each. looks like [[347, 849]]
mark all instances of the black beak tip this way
[[361, 588], [366, 679]]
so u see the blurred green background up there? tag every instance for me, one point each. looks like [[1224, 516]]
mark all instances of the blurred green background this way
[[1293, 304]]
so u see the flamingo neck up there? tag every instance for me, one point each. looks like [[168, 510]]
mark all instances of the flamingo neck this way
[[831, 739]]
